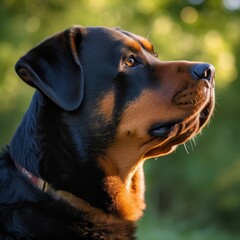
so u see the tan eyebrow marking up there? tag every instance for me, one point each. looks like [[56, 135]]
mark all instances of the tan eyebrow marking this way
[[146, 44], [133, 45]]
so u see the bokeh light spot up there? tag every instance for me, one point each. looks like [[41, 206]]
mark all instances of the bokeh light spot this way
[[146, 6], [231, 5], [189, 15], [162, 25], [213, 40], [226, 68]]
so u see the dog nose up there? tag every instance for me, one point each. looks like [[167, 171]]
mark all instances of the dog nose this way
[[203, 71]]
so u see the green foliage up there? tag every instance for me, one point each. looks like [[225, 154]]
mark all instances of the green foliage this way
[[195, 192]]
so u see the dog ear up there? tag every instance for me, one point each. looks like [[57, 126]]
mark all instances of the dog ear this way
[[53, 67]]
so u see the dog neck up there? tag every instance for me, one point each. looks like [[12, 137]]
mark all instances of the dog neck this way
[[120, 195], [109, 223], [127, 201]]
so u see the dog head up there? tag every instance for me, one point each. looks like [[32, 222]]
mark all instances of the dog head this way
[[119, 104]]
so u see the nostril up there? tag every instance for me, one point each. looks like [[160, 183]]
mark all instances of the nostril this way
[[203, 71]]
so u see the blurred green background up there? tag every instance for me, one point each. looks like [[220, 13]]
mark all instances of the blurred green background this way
[[195, 192]]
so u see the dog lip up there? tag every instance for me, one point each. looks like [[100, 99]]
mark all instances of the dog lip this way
[[162, 129]]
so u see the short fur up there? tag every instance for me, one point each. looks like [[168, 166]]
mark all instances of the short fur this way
[[104, 103]]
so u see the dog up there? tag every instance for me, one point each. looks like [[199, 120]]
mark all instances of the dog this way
[[104, 103]]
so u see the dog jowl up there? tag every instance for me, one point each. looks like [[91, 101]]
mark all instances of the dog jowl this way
[[104, 103]]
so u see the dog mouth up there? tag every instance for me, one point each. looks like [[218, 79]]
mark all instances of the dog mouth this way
[[164, 130], [166, 136]]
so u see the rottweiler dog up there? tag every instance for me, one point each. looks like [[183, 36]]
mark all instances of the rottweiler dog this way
[[104, 103]]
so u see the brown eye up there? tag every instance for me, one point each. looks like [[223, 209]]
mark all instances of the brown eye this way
[[130, 62]]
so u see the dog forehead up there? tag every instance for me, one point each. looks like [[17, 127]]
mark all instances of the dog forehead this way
[[107, 37], [104, 36]]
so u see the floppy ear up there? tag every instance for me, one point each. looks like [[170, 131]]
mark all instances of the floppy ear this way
[[54, 68]]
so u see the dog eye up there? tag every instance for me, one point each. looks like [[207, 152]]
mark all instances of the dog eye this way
[[130, 62]]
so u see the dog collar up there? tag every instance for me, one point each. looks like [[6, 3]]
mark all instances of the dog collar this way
[[68, 197], [57, 194], [43, 185], [36, 181]]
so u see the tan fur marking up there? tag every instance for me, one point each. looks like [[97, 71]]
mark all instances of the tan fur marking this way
[[106, 105], [135, 45], [151, 107], [124, 158], [147, 45], [123, 162], [128, 201]]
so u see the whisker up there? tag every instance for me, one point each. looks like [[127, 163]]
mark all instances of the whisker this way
[[191, 142], [194, 141], [186, 149]]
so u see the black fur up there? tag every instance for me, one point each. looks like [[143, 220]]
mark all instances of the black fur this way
[[54, 141]]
